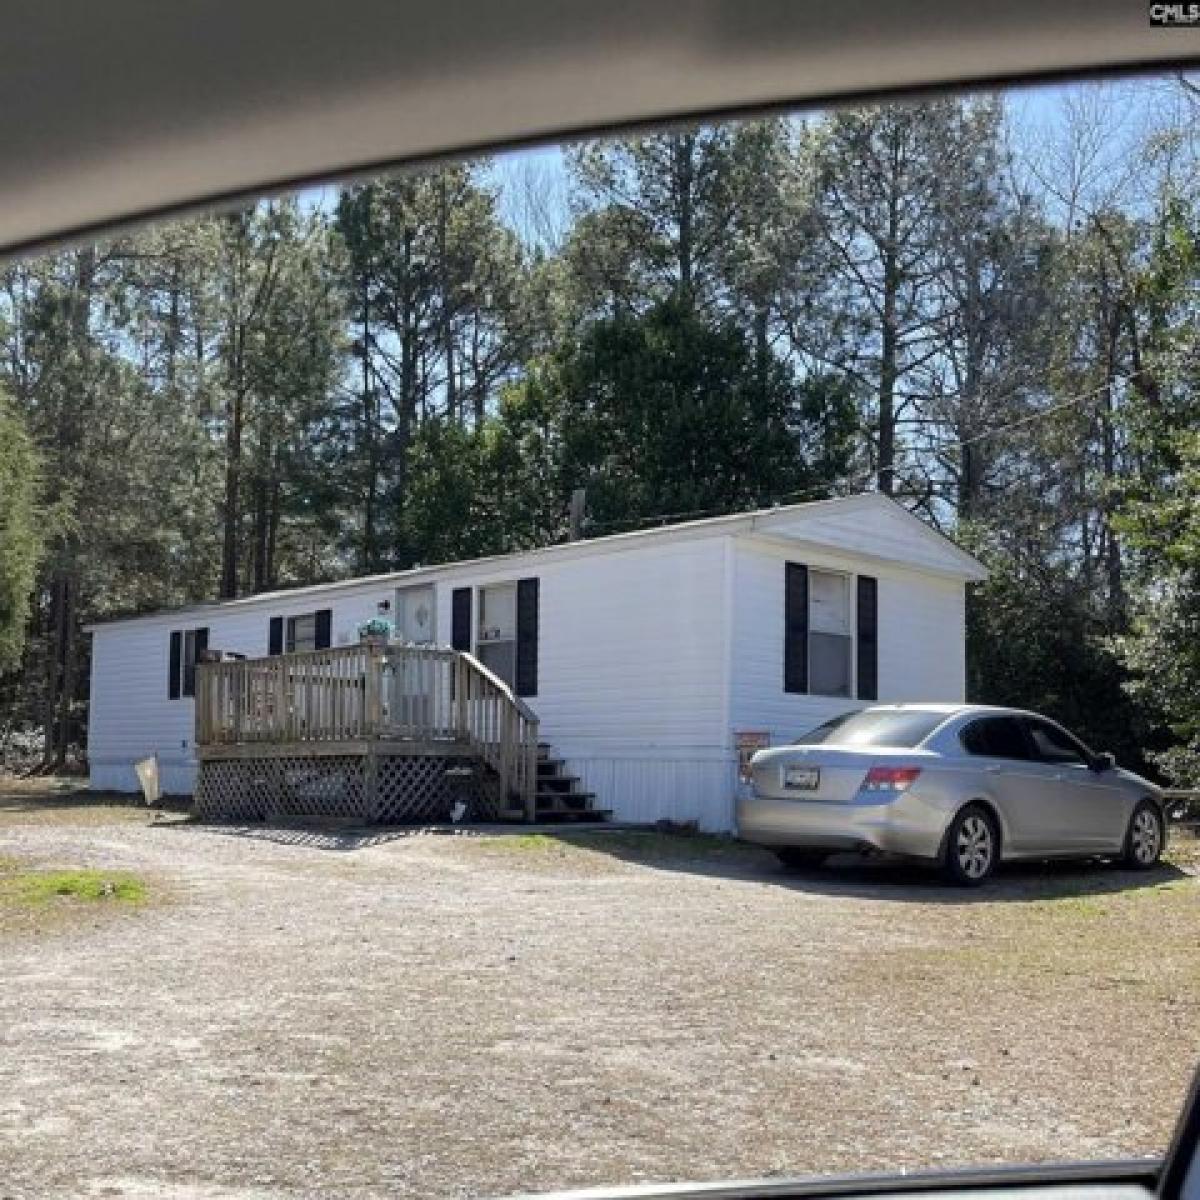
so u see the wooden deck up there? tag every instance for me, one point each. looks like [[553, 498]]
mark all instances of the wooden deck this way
[[384, 704]]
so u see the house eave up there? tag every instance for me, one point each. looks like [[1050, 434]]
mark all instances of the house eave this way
[[819, 546], [760, 522]]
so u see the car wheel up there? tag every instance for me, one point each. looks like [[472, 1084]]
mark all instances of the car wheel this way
[[792, 856], [1145, 838], [972, 846]]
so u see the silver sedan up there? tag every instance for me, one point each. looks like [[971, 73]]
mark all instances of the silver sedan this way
[[965, 786]]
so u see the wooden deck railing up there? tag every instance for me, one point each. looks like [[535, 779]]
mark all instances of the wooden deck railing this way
[[501, 726], [419, 694]]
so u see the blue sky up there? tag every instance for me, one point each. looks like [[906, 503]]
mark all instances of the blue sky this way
[[1037, 115]]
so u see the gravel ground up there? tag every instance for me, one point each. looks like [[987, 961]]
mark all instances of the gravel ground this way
[[307, 1014]]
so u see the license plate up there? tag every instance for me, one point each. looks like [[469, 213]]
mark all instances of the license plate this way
[[803, 779]]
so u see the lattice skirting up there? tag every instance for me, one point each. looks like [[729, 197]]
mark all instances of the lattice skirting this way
[[386, 789]]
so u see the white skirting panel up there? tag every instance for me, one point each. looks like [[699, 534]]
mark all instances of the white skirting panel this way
[[643, 789], [176, 779], [638, 787]]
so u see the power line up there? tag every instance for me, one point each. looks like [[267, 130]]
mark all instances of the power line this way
[[853, 484]]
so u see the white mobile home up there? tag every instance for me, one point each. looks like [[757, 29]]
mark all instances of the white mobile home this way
[[647, 657]]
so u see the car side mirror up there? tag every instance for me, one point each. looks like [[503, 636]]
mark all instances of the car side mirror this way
[[1104, 761]]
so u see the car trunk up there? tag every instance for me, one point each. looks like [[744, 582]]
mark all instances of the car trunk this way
[[827, 774]]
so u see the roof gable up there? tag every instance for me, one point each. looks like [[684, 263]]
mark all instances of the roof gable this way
[[873, 525]]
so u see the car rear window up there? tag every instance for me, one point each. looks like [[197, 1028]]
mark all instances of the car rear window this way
[[872, 727]]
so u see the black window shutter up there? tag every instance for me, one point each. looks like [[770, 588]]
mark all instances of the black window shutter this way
[[795, 628], [868, 638], [527, 637], [173, 666], [275, 637], [324, 628], [460, 619], [289, 642]]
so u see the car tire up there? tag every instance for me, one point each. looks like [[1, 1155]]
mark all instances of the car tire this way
[[794, 857], [972, 846], [1146, 837]]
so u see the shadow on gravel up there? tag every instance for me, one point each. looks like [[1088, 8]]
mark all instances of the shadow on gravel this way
[[726, 858], [55, 793], [875, 879], [315, 837], [847, 875]]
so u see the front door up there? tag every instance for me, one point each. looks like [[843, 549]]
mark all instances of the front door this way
[[412, 689], [416, 615]]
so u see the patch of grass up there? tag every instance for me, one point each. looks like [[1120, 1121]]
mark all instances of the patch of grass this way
[[43, 887], [1137, 939], [648, 847], [37, 900], [523, 842], [651, 846], [1070, 908]]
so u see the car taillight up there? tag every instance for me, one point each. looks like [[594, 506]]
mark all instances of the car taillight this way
[[890, 779]]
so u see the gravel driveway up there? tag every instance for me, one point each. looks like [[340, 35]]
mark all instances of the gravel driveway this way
[[306, 1014]]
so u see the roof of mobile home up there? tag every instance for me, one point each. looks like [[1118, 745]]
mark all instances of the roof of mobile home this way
[[825, 523]]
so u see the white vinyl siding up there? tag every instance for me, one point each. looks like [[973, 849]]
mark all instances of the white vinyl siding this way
[[921, 639], [627, 643]]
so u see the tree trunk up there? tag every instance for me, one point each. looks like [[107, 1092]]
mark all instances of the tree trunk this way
[[1113, 565], [447, 306], [370, 423], [70, 674], [684, 150], [889, 335], [61, 672], [53, 675], [263, 481], [233, 480], [273, 525], [970, 483], [886, 464]]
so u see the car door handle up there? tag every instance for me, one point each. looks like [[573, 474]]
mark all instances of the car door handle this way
[[991, 770]]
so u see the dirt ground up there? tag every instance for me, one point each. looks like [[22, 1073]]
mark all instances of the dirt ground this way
[[299, 1014]]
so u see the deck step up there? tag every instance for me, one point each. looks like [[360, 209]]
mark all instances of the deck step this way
[[555, 797], [547, 783]]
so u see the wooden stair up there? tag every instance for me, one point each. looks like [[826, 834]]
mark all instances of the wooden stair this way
[[558, 796]]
